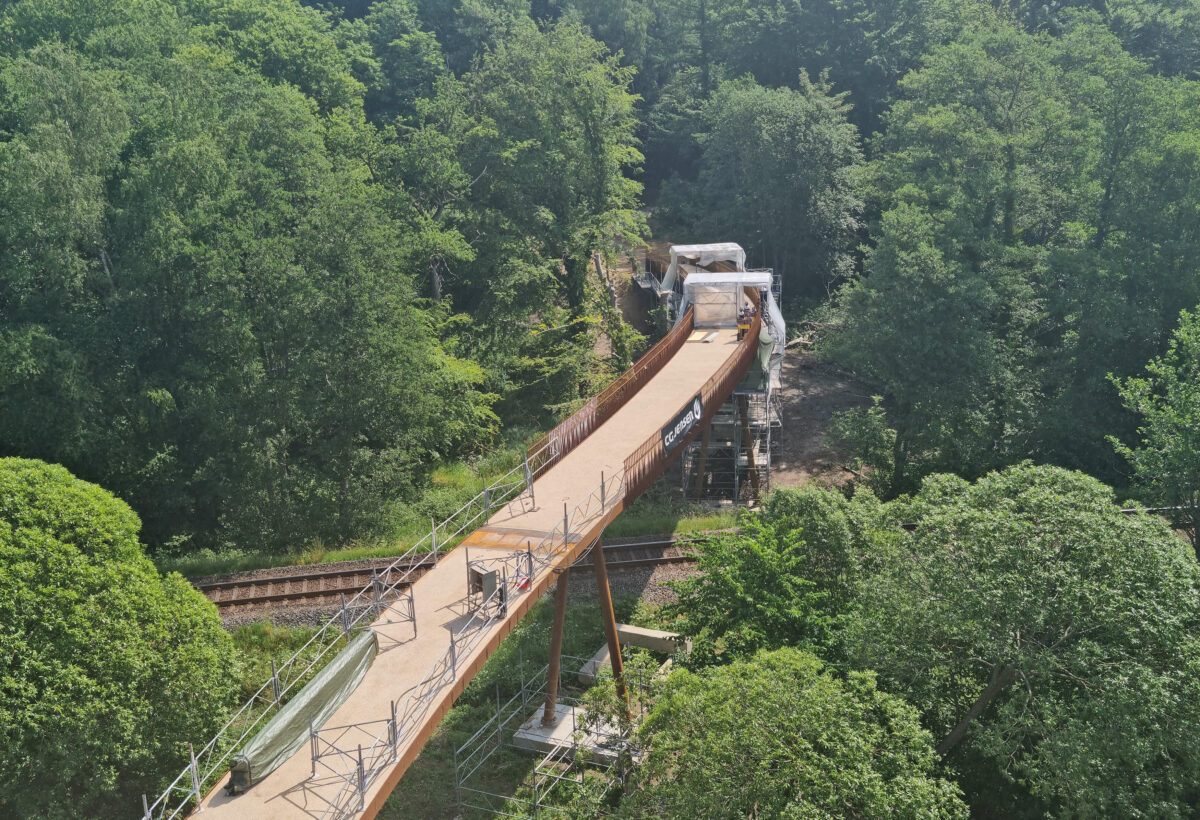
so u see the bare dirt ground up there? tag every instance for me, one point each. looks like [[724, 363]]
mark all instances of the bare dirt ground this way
[[811, 393]]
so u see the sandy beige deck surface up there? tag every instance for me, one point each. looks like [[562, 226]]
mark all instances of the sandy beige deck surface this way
[[440, 603]]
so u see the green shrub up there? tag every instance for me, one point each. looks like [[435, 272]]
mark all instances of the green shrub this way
[[107, 669]]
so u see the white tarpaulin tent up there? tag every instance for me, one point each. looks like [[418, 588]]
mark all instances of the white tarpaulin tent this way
[[702, 256], [718, 297]]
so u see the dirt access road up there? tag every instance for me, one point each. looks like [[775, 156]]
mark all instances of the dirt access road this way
[[811, 393]]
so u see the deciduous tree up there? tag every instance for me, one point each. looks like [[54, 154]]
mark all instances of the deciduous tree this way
[[1167, 399], [778, 175], [778, 736], [106, 667], [1049, 640]]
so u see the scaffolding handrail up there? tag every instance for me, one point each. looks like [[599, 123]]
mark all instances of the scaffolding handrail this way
[[554, 446], [559, 763], [215, 754]]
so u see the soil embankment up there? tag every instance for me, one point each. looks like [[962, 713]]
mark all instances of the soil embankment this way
[[812, 391]]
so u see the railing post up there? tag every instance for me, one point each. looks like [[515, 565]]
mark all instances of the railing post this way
[[529, 482], [553, 669], [504, 592], [529, 562], [362, 781], [195, 778], [313, 749], [453, 658], [603, 502], [394, 733], [145, 809], [566, 525], [376, 592], [433, 544], [499, 724], [487, 503], [345, 620], [275, 683]]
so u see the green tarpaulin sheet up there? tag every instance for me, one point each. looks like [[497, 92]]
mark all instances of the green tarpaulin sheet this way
[[757, 373], [316, 702]]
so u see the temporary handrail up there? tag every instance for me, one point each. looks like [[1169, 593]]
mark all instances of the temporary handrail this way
[[639, 469], [649, 459], [182, 793], [552, 447], [369, 760]]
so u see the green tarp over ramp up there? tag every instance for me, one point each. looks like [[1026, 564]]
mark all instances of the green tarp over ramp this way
[[316, 702], [757, 373]]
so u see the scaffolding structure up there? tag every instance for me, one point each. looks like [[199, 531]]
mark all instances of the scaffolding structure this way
[[730, 462], [595, 758]]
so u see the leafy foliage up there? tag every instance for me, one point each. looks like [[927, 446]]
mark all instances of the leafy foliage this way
[[777, 173], [106, 667], [777, 736], [1049, 640], [786, 579], [220, 323], [863, 433], [1015, 262], [1167, 464]]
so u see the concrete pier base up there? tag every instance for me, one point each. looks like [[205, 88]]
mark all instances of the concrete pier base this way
[[565, 735]]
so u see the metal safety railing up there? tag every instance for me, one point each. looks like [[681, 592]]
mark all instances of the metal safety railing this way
[[364, 762], [552, 447], [362, 765], [390, 584], [648, 460], [186, 790], [605, 747]]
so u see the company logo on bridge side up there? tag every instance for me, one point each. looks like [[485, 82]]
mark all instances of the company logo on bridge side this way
[[682, 424]]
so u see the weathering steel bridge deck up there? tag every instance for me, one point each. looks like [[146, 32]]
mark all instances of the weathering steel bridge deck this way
[[707, 362]]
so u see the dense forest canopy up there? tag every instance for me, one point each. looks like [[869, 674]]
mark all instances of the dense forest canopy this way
[[263, 264], [1046, 637], [266, 264]]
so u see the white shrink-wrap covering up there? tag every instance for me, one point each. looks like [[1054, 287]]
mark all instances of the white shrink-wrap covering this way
[[703, 256]]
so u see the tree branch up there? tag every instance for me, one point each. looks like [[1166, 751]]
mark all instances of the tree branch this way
[[1002, 676]]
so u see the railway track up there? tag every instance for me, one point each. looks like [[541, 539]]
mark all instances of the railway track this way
[[324, 587], [315, 586], [642, 554]]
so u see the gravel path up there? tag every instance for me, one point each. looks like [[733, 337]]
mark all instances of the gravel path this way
[[280, 572], [647, 583]]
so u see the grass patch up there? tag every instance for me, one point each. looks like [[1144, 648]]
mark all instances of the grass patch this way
[[668, 524], [662, 510], [259, 643], [451, 486]]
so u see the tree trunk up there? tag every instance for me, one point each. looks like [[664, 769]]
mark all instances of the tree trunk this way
[[899, 462], [1193, 528], [575, 268], [1010, 194], [1002, 676]]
